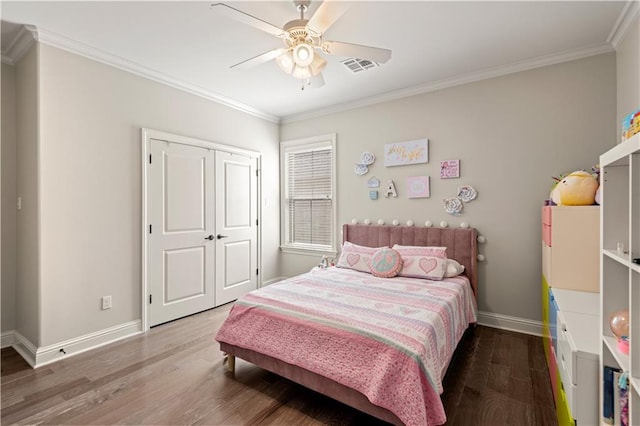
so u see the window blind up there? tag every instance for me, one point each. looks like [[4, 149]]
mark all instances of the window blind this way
[[309, 198]]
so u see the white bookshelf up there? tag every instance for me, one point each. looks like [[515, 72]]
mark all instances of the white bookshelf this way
[[619, 276]]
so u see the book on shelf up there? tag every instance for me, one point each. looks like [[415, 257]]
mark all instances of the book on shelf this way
[[615, 409], [623, 392], [616, 398], [608, 394]]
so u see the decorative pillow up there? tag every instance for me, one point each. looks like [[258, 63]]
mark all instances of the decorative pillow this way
[[423, 262], [386, 263], [453, 269], [356, 257]]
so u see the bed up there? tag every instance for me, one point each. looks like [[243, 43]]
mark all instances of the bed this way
[[380, 345]]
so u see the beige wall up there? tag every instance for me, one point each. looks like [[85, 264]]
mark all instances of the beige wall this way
[[628, 71], [511, 134], [91, 178], [83, 129], [9, 197], [27, 291]]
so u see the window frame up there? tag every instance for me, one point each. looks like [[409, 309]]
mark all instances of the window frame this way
[[308, 143]]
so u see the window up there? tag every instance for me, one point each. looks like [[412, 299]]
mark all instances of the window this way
[[308, 194]]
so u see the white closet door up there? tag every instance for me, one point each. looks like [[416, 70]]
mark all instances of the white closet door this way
[[236, 226], [181, 241]]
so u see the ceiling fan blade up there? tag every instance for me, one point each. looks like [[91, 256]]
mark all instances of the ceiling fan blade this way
[[250, 20], [260, 59], [316, 81], [374, 54], [326, 14]]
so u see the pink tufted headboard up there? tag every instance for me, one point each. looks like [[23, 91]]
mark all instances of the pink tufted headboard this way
[[461, 243]]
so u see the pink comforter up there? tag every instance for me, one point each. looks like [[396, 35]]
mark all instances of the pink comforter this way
[[389, 338]]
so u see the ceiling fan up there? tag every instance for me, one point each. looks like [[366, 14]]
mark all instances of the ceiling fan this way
[[303, 38]]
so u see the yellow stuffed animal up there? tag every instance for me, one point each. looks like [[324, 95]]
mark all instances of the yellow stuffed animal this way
[[576, 189]]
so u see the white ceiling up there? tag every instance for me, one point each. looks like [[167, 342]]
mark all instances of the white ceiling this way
[[434, 43]]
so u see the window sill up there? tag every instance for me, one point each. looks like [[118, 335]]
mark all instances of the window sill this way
[[308, 251]]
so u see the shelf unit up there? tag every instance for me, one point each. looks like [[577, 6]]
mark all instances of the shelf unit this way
[[571, 309], [619, 276]]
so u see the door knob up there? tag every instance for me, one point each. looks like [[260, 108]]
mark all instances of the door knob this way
[[219, 236], [210, 237]]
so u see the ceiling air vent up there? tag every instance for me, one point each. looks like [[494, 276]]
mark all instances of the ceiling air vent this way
[[357, 65]]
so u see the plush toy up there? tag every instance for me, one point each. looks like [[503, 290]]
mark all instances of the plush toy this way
[[575, 189], [596, 171]]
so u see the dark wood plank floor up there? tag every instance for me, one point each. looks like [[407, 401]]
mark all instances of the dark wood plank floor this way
[[174, 375]]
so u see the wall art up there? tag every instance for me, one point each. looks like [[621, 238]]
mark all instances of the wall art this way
[[362, 166], [449, 169], [367, 158], [391, 190], [418, 187], [404, 153], [453, 206], [374, 182], [467, 193], [360, 169], [373, 195]]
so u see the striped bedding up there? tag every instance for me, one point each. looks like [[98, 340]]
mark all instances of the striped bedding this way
[[391, 339]]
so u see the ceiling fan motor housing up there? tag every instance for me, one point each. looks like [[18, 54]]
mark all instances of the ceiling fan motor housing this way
[[297, 33]]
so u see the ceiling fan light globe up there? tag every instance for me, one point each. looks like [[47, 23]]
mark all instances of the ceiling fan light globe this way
[[285, 62], [317, 65], [301, 73], [303, 55]]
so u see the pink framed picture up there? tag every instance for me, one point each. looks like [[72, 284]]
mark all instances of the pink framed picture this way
[[418, 187], [449, 169]]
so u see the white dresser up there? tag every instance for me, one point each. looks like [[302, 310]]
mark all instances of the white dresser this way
[[577, 354]]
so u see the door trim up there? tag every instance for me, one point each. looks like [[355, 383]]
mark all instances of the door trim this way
[[146, 136]]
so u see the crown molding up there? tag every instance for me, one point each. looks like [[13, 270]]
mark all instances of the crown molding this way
[[515, 67], [20, 44], [81, 49], [629, 13]]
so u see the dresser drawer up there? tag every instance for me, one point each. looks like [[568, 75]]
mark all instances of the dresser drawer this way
[[566, 352], [546, 234], [546, 215], [577, 356], [546, 263]]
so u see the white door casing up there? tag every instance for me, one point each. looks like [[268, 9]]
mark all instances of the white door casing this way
[[182, 217], [236, 226], [173, 236]]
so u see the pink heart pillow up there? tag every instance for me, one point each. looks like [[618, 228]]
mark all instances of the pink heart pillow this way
[[423, 262], [356, 257]]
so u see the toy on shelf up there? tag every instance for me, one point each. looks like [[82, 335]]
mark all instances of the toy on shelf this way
[[575, 189], [619, 323], [631, 125]]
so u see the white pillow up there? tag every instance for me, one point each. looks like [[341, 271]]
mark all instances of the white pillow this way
[[453, 269]]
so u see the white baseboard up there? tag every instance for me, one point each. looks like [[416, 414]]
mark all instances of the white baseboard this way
[[48, 354], [7, 338], [37, 357], [25, 348], [506, 322]]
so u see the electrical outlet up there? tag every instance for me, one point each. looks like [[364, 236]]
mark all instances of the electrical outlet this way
[[106, 302]]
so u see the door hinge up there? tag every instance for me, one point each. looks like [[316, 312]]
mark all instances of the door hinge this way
[[149, 158], [150, 299], [257, 271], [256, 222], [256, 172], [150, 229]]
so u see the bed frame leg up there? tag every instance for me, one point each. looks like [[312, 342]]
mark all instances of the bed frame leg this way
[[231, 363]]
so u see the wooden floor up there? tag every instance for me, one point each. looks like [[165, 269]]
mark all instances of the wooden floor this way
[[174, 375]]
